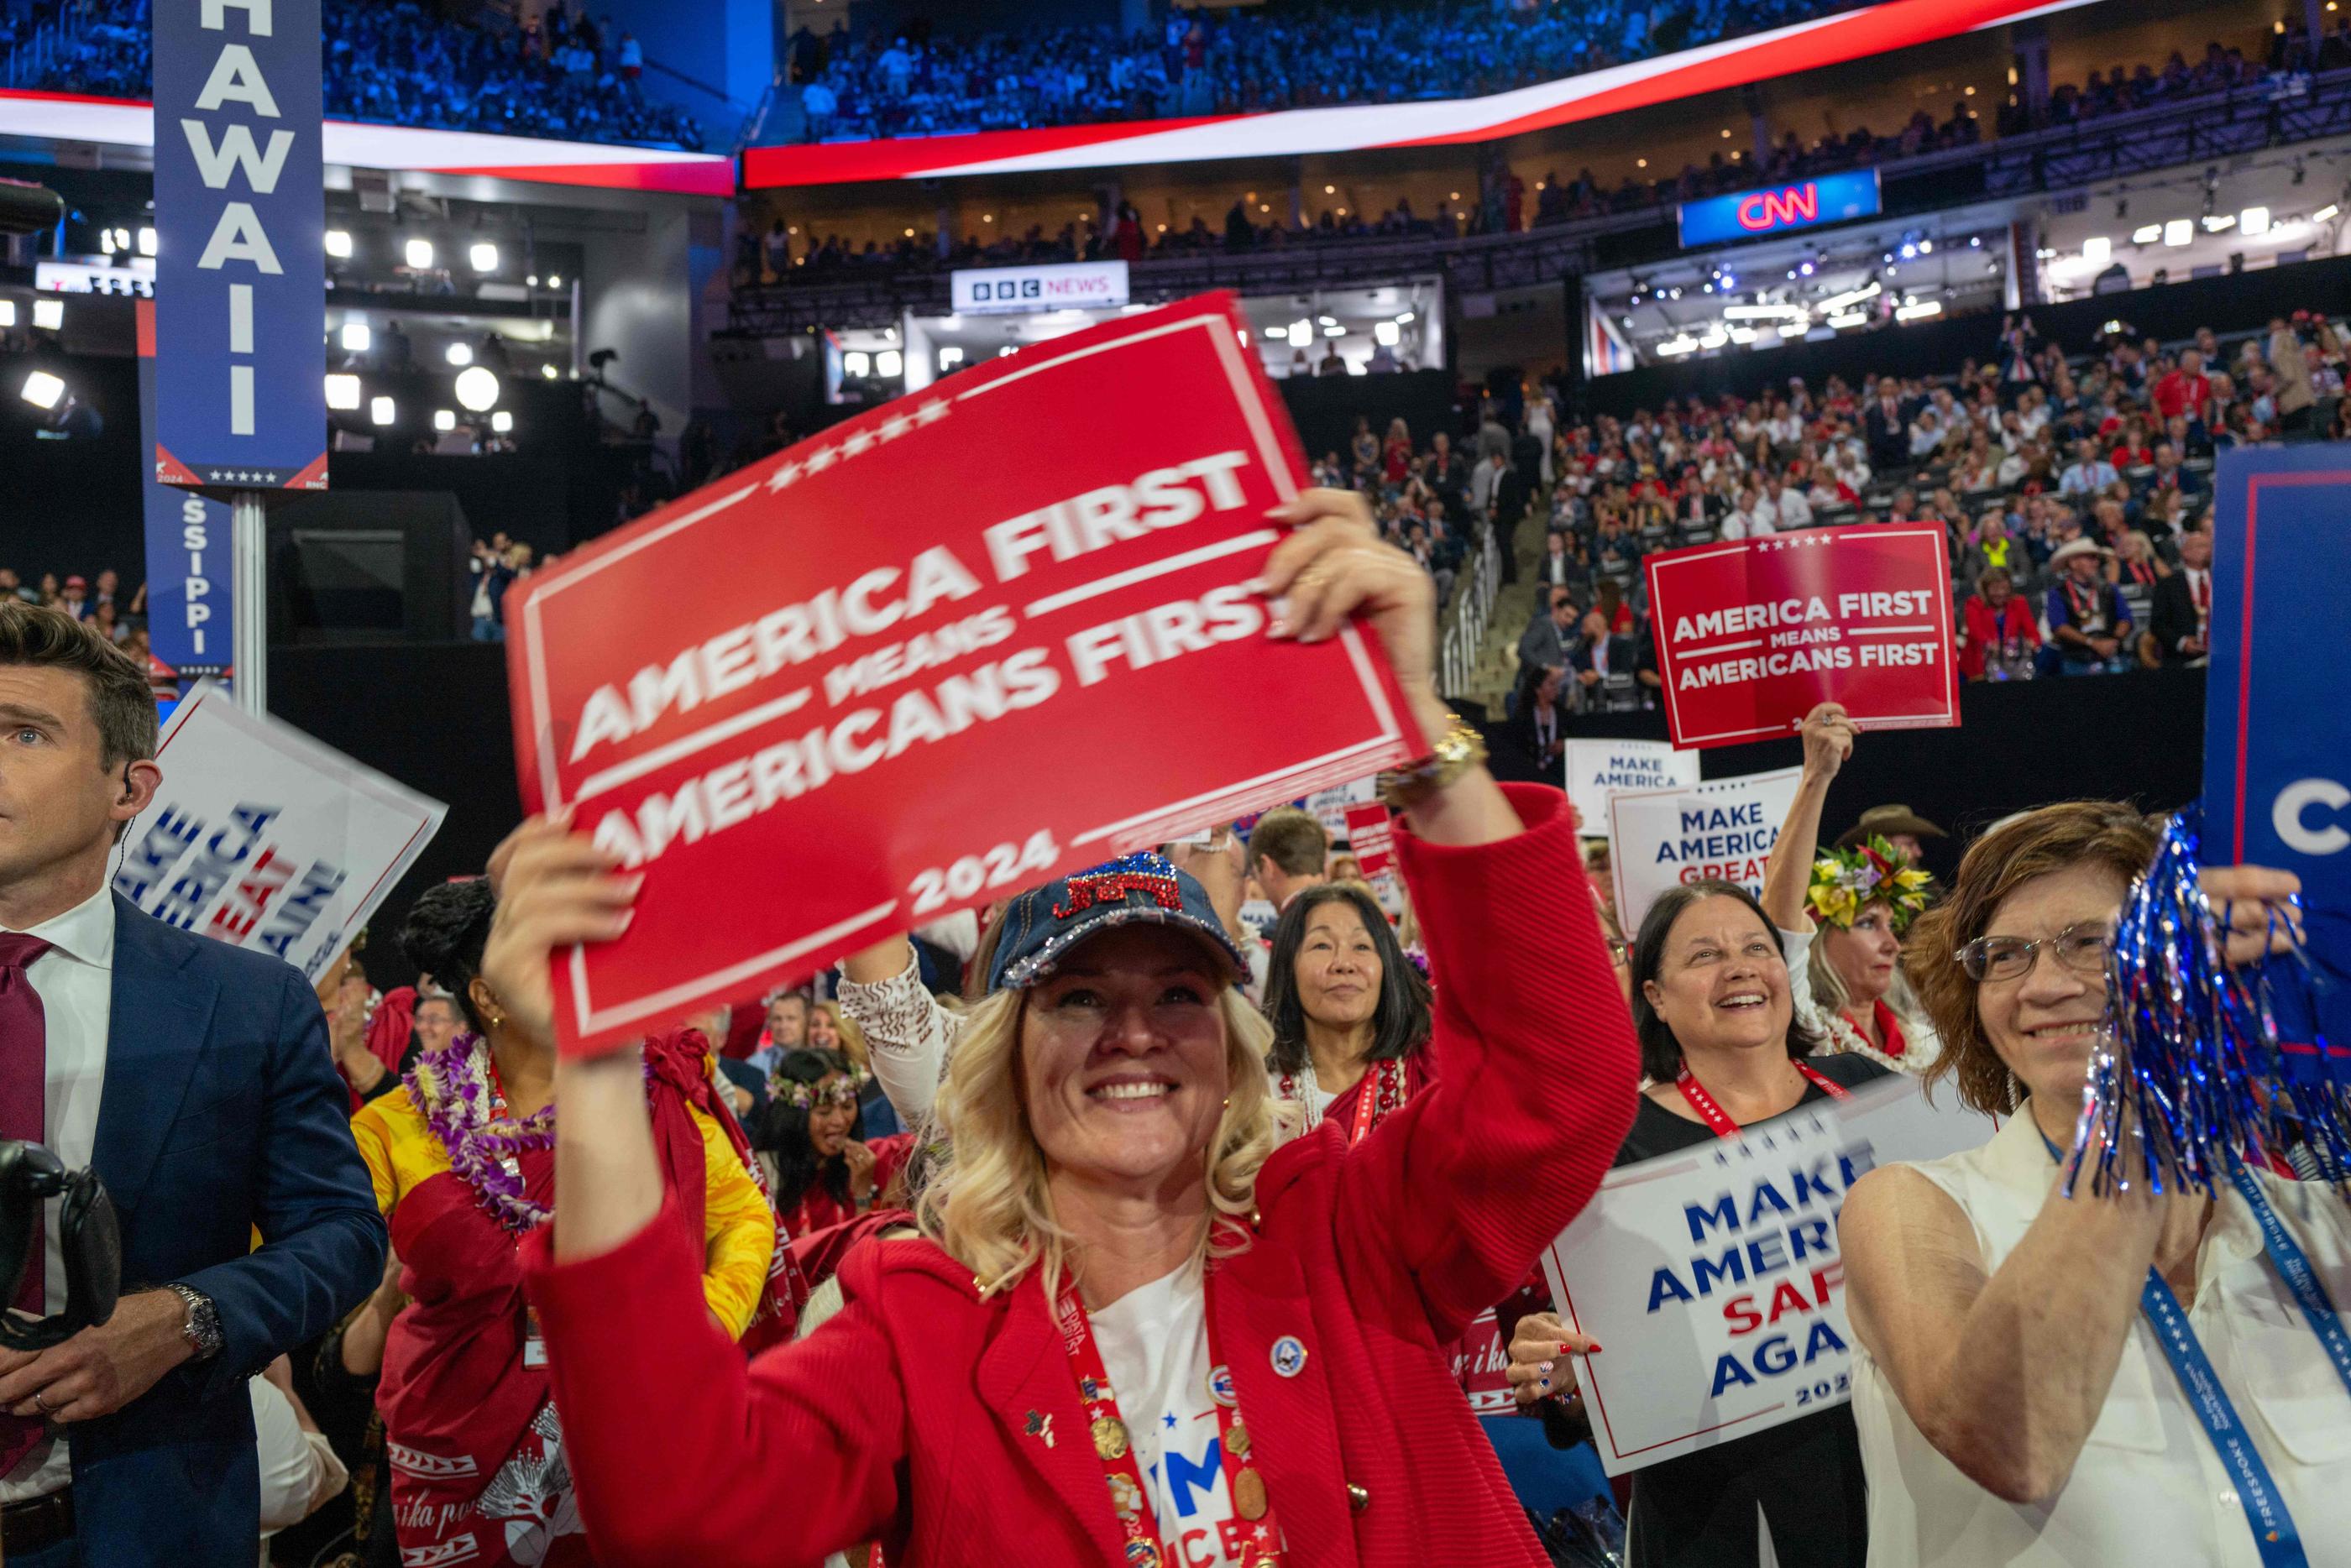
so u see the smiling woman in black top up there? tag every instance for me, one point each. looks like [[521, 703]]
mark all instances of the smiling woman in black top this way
[[1721, 1050]]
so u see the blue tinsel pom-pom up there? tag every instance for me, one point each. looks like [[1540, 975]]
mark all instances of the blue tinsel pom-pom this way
[[2195, 1076]]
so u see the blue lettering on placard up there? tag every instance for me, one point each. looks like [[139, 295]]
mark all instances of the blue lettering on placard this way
[[300, 908], [1773, 1356], [156, 851]]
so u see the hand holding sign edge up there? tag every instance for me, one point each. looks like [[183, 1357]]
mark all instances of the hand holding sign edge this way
[[1333, 566]]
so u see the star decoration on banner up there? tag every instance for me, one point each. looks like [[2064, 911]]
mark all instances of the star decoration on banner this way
[[856, 443]]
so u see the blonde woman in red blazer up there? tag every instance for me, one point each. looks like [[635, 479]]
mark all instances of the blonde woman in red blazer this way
[[988, 1394]]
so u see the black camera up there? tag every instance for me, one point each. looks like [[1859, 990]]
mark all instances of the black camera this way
[[89, 1237]]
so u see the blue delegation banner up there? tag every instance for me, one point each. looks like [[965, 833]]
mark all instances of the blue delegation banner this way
[[2277, 734], [240, 262], [191, 592]]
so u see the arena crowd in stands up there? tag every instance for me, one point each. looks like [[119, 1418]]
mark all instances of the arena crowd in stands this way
[[919, 81], [1502, 202], [2075, 488], [575, 79]]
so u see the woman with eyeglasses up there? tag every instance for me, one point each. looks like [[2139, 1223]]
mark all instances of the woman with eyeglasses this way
[[2043, 1380]]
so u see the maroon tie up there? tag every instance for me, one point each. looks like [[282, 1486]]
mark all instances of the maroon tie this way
[[24, 1074], [24, 1078]]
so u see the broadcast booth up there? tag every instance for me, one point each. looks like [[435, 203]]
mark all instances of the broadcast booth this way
[[994, 311]]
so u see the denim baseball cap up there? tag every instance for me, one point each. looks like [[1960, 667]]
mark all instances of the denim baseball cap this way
[[1043, 925]]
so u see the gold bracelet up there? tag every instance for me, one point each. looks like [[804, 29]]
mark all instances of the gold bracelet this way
[[1460, 749]]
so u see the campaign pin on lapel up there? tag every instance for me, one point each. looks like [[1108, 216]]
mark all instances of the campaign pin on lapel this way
[[1290, 1356], [1039, 1426]]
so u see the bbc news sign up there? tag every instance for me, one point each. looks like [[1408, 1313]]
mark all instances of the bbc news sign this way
[[1000, 290], [968, 642], [241, 234], [1806, 204]]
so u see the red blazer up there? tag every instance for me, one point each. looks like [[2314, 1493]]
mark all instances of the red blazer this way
[[908, 1416], [1985, 626]]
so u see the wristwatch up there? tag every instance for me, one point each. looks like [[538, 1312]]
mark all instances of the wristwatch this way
[[1460, 749], [202, 1330]]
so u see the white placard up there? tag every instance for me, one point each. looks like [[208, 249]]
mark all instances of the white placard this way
[[1713, 1277], [1723, 830], [264, 839], [1330, 806], [1069, 285], [1598, 769]]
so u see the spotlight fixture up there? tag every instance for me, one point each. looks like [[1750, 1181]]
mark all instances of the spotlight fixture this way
[[381, 410], [49, 314], [477, 389], [343, 392], [485, 256], [460, 354], [42, 390], [418, 254], [339, 243]]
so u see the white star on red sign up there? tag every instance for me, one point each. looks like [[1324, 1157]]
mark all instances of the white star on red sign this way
[[783, 476]]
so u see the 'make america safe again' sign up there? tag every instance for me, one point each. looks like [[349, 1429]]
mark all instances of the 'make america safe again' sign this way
[[994, 631]]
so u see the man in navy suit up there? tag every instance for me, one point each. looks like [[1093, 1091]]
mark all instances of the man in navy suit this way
[[196, 1079]]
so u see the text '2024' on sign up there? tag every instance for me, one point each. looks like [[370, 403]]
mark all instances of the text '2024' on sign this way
[[913, 691]]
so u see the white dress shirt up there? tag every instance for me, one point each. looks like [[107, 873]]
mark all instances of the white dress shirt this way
[[2148, 1487], [75, 981]]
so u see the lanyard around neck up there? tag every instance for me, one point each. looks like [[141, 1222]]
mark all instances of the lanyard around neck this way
[[1718, 1121], [1130, 1497], [2274, 1535]]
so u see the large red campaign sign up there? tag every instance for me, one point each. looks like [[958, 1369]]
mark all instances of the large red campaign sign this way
[[987, 634], [1751, 634]]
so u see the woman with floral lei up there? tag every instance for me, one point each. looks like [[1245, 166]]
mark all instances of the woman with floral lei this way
[[1841, 916], [826, 1172], [461, 1155]]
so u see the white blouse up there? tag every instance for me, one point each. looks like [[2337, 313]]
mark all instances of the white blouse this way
[[2148, 1489], [1921, 1044]]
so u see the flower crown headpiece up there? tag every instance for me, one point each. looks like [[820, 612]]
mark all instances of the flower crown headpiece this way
[[1845, 881], [842, 1094]]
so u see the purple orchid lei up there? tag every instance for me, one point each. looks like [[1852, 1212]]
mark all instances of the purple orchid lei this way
[[451, 1087]]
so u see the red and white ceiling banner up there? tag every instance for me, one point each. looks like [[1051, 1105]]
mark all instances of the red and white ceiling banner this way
[[1761, 57], [122, 122]]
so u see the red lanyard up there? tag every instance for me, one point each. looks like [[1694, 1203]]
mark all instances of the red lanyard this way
[[1129, 1498], [1712, 1114], [1376, 1099]]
